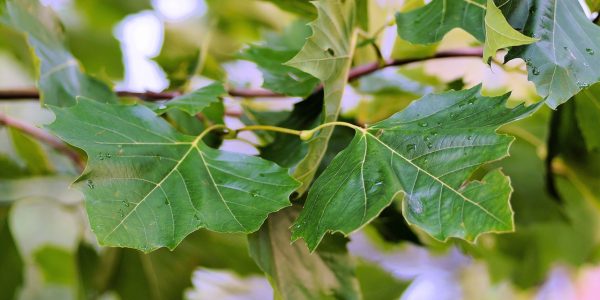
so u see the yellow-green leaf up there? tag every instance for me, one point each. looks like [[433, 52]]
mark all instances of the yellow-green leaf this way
[[499, 34]]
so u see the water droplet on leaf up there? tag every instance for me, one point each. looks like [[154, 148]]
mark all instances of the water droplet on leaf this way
[[535, 71], [589, 51], [411, 147], [90, 184], [423, 124]]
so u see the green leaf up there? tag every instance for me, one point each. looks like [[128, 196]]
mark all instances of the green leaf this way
[[429, 24], [499, 34], [562, 62], [327, 55], [61, 79], [194, 102], [427, 152], [294, 272], [148, 186], [587, 109], [271, 57], [31, 152]]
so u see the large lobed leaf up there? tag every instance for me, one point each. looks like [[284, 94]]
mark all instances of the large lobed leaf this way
[[326, 55], [427, 152], [61, 78], [148, 186]]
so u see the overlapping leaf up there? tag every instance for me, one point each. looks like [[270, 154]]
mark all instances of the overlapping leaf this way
[[426, 152], [61, 79], [194, 102], [271, 57], [499, 34], [429, 24], [296, 273], [327, 55], [148, 186], [565, 59]]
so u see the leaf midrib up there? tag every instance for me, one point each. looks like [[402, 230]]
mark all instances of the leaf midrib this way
[[433, 177]]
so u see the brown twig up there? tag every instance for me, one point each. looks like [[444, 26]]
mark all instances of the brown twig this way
[[354, 74], [44, 137]]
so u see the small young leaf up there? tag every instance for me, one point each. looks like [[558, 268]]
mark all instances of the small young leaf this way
[[194, 102], [148, 186], [429, 24], [327, 55], [499, 34], [427, 153]]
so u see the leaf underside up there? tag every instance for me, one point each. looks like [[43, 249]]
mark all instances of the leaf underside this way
[[564, 60]]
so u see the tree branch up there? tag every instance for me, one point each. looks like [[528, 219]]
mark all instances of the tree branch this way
[[44, 137], [354, 74]]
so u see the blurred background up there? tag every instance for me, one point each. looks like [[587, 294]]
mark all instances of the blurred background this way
[[48, 252]]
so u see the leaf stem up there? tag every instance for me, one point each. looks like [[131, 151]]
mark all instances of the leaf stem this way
[[207, 131], [270, 128], [337, 123]]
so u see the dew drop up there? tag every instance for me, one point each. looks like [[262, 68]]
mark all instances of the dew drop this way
[[469, 138], [254, 193], [452, 115], [125, 203], [535, 71], [423, 124], [411, 147], [427, 138], [167, 202], [197, 217], [429, 145], [434, 133], [378, 183], [461, 105], [566, 48], [162, 106], [471, 101], [589, 51], [121, 213], [90, 184]]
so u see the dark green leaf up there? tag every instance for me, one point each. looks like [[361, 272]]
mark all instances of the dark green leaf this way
[[429, 24], [148, 186], [426, 152]]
